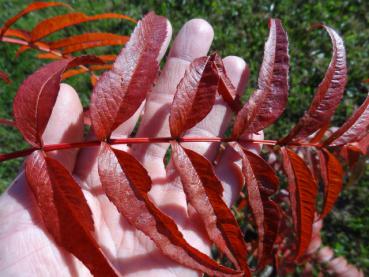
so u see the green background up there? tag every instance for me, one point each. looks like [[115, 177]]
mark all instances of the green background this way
[[240, 29]]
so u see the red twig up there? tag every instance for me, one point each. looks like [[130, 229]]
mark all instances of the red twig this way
[[7, 122], [60, 146]]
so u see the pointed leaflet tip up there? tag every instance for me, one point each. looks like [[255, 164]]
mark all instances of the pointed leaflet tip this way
[[354, 129], [127, 183], [195, 95], [327, 96], [225, 86], [303, 191], [65, 212], [120, 91], [204, 192], [268, 102], [36, 97]]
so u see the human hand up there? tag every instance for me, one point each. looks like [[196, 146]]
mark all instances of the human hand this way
[[26, 249]]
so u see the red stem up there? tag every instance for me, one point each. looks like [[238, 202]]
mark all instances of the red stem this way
[[60, 146], [7, 122], [16, 154]]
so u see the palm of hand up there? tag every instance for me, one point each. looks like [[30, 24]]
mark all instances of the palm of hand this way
[[27, 250]]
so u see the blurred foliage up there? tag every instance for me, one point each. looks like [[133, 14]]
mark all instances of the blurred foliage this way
[[240, 29]]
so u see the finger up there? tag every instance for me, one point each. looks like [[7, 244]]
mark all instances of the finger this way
[[193, 41], [86, 166], [217, 121], [65, 125], [229, 171]]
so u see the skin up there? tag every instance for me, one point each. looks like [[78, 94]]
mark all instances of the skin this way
[[26, 249]]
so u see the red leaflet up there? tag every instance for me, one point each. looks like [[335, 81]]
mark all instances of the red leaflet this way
[[225, 86], [303, 191], [7, 122], [87, 40], [36, 97], [119, 92], [108, 58], [127, 183], [332, 174], [18, 34], [31, 7], [261, 183], [268, 102], [354, 129], [87, 45], [56, 23], [73, 72], [328, 94], [49, 56], [4, 77], [83, 38], [37, 45], [204, 192], [65, 212], [195, 95]]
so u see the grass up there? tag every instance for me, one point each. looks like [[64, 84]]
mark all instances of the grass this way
[[240, 29]]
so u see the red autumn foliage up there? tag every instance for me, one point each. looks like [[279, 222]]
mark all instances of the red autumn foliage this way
[[204, 192], [328, 94], [283, 220], [36, 97], [261, 183], [199, 85], [268, 102], [65, 212], [302, 191], [332, 175], [225, 86], [30, 8], [120, 91], [31, 39], [354, 129], [127, 183], [54, 24]]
